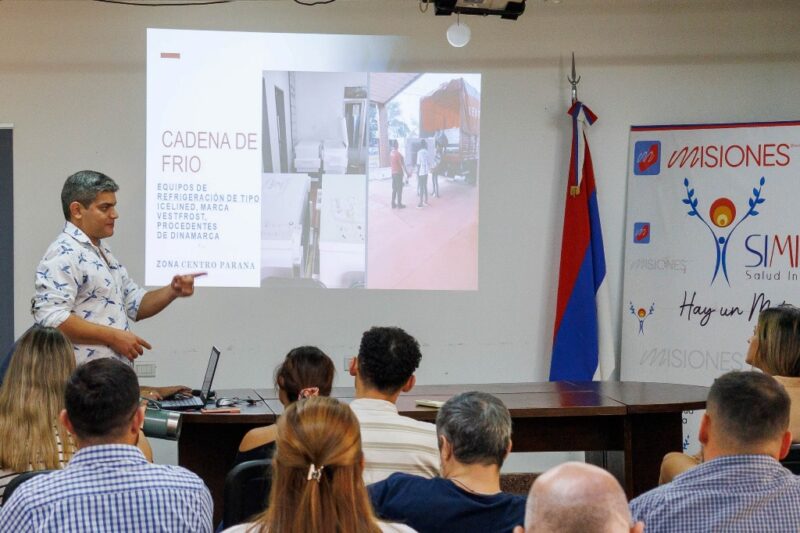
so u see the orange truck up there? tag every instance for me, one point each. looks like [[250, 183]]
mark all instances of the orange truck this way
[[451, 116]]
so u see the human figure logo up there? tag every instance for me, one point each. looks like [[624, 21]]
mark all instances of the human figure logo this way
[[721, 216], [642, 315]]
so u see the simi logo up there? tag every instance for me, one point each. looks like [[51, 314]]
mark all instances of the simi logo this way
[[647, 158], [641, 232], [722, 221], [642, 315]]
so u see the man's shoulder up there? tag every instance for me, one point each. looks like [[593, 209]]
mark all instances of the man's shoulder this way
[[60, 245], [514, 499], [731, 475], [36, 490], [411, 484], [87, 478], [398, 422], [651, 497], [709, 495], [170, 475], [380, 411], [426, 427]]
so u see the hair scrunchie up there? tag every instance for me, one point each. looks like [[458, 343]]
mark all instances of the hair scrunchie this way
[[308, 392]]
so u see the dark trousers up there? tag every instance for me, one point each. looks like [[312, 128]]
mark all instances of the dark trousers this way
[[422, 185], [397, 189]]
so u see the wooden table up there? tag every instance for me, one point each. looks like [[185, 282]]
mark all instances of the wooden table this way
[[626, 427]]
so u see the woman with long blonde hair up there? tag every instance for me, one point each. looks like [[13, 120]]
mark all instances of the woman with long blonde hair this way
[[31, 398], [316, 475]]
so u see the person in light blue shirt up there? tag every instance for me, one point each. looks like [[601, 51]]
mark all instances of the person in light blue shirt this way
[[741, 486], [108, 485]]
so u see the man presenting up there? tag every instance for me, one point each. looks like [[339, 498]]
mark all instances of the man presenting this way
[[83, 290]]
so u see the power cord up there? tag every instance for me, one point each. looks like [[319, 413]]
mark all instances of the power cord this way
[[163, 3]]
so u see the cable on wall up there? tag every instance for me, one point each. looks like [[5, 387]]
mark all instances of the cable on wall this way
[[163, 3]]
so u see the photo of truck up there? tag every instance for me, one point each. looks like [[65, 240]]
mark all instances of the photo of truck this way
[[450, 115]]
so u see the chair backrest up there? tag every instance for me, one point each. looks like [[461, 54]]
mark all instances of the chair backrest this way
[[792, 460], [19, 480], [247, 488]]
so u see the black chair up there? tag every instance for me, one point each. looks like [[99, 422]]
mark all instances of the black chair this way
[[792, 460], [19, 480], [247, 488]]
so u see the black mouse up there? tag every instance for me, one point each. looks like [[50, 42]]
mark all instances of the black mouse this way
[[225, 402]]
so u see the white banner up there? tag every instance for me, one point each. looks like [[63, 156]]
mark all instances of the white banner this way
[[711, 238]]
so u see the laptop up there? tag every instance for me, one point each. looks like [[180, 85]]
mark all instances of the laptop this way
[[196, 402]]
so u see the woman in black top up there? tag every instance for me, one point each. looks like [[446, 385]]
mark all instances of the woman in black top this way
[[305, 372]]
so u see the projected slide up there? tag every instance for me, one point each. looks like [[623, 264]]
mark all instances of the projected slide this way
[[288, 160]]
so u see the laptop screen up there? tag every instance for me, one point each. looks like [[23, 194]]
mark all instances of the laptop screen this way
[[212, 367]]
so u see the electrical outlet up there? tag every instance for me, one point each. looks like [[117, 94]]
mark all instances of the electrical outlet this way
[[145, 370]]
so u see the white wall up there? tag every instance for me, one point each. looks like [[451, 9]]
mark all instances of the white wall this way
[[320, 103], [72, 80]]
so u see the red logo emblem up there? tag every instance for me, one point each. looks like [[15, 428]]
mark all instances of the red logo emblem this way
[[649, 159]]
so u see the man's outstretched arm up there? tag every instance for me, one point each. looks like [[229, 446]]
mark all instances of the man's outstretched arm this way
[[156, 300]]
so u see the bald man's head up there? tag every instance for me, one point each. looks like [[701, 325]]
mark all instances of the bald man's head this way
[[577, 497]]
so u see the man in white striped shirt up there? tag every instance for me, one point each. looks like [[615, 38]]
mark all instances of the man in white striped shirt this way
[[108, 485], [387, 359]]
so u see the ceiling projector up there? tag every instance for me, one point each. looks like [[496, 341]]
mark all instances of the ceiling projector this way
[[503, 8]]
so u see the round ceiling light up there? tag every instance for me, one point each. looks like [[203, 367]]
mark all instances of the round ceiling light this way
[[458, 34]]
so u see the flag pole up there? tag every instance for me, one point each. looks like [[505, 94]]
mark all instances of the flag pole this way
[[574, 81], [574, 189], [583, 347]]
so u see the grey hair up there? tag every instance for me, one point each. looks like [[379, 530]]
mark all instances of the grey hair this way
[[478, 427], [83, 187]]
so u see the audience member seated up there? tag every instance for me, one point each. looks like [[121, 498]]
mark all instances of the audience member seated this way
[[387, 359], [317, 483], [577, 498], [741, 486], [305, 372], [774, 349], [474, 430], [108, 485], [31, 399]]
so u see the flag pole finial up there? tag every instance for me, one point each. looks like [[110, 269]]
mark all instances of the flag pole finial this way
[[574, 81]]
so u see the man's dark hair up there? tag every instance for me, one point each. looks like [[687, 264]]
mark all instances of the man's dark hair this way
[[83, 187], [750, 407], [101, 397], [387, 357], [478, 427]]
